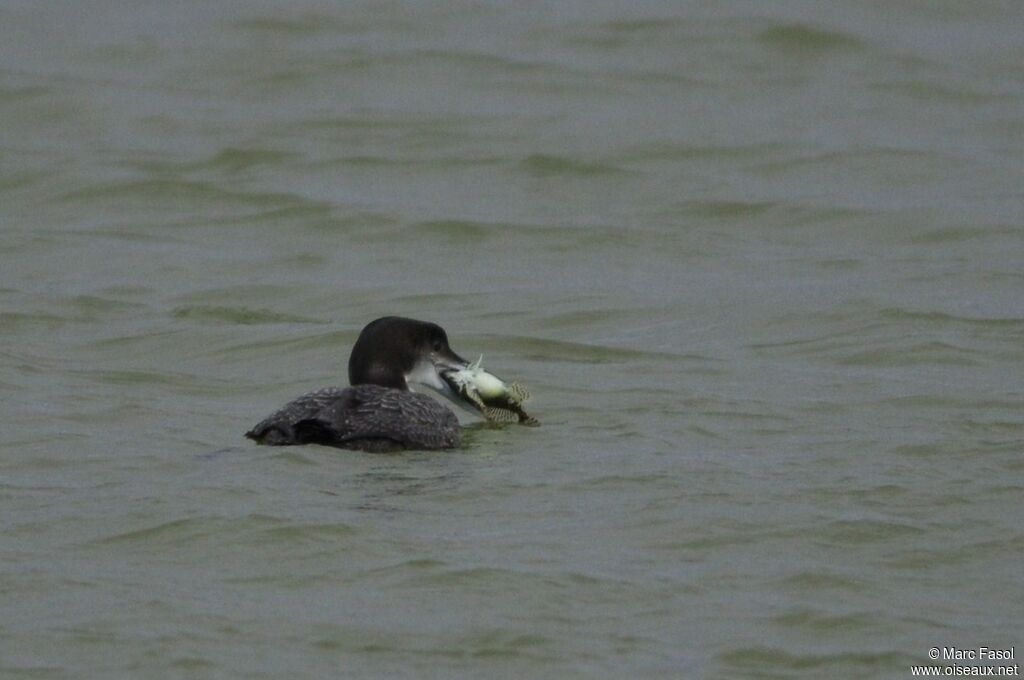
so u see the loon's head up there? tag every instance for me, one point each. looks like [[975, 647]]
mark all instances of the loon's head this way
[[395, 352]]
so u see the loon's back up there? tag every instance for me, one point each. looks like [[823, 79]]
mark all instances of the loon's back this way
[[366, 417]]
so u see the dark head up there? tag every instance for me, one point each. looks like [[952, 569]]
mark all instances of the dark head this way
[[394, 351]]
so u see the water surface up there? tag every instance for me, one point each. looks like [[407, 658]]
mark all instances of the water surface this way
[[761, 267]]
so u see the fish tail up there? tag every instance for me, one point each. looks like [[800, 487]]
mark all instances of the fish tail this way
[[518, 391]]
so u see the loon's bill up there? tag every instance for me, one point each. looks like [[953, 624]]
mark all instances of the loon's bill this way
[[379, 412]]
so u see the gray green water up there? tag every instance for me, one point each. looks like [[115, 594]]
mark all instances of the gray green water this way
[[761, 264]]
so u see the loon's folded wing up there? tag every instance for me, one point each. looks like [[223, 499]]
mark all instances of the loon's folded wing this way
[[279, 428], [367, 417], [380, 418]]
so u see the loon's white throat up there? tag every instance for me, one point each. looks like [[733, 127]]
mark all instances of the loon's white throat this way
[[424, 373]]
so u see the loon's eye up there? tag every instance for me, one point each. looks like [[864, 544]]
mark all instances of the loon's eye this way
[[437, 345]]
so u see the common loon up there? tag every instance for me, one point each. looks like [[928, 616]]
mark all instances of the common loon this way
[[379, 412]]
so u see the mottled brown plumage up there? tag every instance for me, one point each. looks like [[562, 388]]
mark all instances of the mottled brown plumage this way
[[366, 417]]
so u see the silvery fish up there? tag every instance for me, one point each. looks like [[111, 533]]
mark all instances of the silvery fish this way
[[498, 401]]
